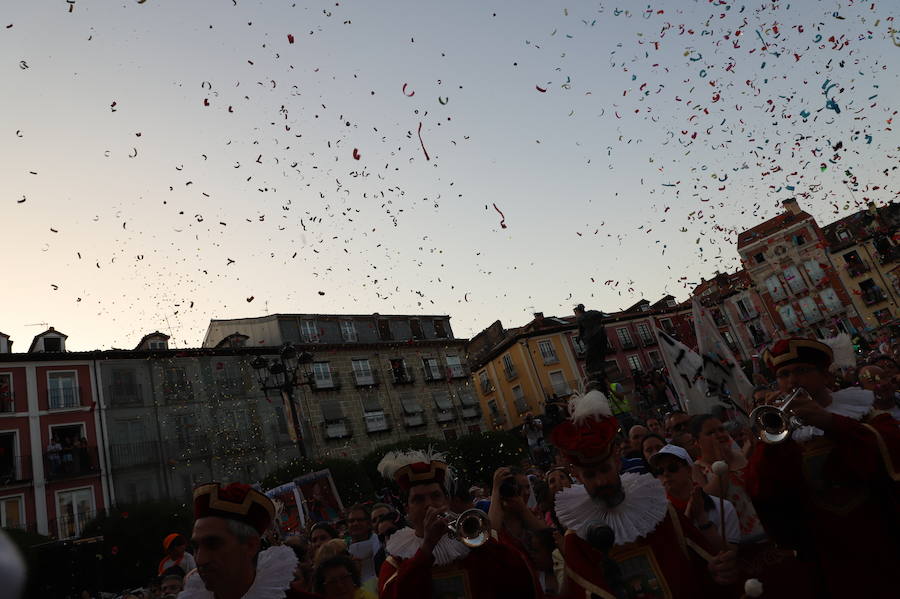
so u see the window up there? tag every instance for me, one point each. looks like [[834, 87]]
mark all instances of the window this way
[[280, 421], [789, 317], [612, 368], [760, 258], [308, 331], [883, 316], [124, 389], [416, 327], [843, 235], [348, 331], [74, 509], [644, 332], [559, 384], [333, 415], [176, 384], [362, 372], [399, 372], [775, 289], [12, 512], [62, 389], [440, 331], [456, 368], [432, 369], [508, 367], [492, 408], [485, 382], [799, 240], [186, 434], [666, 324], [794, 279], [519, 397], [810, 310], [655, 359], [729, 339], [412, 410], [7, 403], [624, 337], [384, 330], [634, 363], [52, 344], [469, 404], [578, 344], [547, 351], [322, 375], [373, 414], [871, 292], [815, 271], [156, 344], [831, 300], [745, 308]]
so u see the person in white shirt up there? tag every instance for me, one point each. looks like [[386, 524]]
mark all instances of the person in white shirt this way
[[674, 468], [364, 543]]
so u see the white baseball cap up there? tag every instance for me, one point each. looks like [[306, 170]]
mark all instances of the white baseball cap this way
[[673, 450]]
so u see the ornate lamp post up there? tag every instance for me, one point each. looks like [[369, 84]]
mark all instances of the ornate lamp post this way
[[290, 370]]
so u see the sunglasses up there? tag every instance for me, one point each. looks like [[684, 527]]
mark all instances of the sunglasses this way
[[671, 469]]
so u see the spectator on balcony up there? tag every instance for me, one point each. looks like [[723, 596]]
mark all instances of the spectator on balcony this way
[[54, 455], [175, 546], [68, 455]]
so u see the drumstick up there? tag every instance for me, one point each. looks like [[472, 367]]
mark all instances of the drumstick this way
[[720, 469]]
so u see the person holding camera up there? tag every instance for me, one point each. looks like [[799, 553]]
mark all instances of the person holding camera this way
[[509, 512]]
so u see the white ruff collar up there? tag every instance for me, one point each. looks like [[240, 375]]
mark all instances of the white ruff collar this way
[[645, 506], [274, 574], [853, 403], [404, 543]]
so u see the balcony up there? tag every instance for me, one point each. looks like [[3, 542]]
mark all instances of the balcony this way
[[414, 420], [187, 447], [377, 422], [486, 386], [61, 399], [889, 255], [125, 394], [872, 297], [71, 526], [402, 376], [15, 470], [457, 371], [183, 391], [336, 429], [444, 416], [550, 359], [628, 344], [365, 379], [498, 420], [648, 341], [432, 375], [332, 382], [510, 372], [856, 269], [748, 316], [70, 462], [129, 455]]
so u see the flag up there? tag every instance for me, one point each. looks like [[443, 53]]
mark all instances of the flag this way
[[685, 370], [722, 372]]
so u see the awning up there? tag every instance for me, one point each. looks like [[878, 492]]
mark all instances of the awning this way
[[467, 399], [411, 406], [331, 410], [442, 401]]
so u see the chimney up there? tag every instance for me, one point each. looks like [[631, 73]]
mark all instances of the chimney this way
[[539, 318], [791, 205]]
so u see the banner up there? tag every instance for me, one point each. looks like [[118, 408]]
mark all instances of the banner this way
[[724, 378], [321, 502], [287, 499], [685, 370]]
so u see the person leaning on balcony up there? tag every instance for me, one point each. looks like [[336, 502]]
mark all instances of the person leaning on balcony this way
[[53, 454]]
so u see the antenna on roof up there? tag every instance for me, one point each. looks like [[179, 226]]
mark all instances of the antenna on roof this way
[[38, 324]]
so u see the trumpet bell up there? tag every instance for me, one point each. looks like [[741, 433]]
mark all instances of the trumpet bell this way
[[472, 528], [772, 424]]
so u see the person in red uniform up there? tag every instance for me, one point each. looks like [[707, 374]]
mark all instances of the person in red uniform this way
[[228, 524], [623, 538], [830, 490], [424, 562]]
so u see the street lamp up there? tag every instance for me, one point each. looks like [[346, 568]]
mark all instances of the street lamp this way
[[288, 371]]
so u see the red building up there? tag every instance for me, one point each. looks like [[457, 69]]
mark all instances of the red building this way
[[51, 473]]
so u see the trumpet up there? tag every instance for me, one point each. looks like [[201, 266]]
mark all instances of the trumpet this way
[[774, 424], [472, 528]]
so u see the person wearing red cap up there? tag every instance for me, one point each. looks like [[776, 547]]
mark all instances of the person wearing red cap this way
[[829, 491], [623, 538], [228, 524], [175, 546], [424, 562]]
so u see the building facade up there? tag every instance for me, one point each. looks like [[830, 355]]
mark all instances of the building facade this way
[[866, 257], [786, 257]]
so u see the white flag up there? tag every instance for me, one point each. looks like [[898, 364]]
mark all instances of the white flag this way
[[724, 378], [685, 369]]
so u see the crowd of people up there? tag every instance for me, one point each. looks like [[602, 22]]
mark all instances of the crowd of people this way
[[687, 505]]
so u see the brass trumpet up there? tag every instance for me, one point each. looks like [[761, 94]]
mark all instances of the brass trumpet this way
[[774, 424], [472, 528]]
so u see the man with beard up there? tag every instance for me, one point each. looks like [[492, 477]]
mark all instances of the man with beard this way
[[424, 562], [228, 524], [623, 524]]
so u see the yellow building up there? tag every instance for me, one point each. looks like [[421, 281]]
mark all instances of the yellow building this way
[[862, 251], [516, 371]]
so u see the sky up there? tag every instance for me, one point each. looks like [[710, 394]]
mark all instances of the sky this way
[[164, 163]]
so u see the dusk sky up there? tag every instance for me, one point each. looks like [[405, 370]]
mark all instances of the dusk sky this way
[[168, 162]]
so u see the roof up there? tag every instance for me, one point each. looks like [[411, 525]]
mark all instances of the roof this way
[[226, 341], [2, 334], [494, 340], [150, 336], [773, 225], [39, 335], [862, 226], [313, 316]]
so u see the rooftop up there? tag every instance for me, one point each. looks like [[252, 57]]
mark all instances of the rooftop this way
[[769, 227]]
